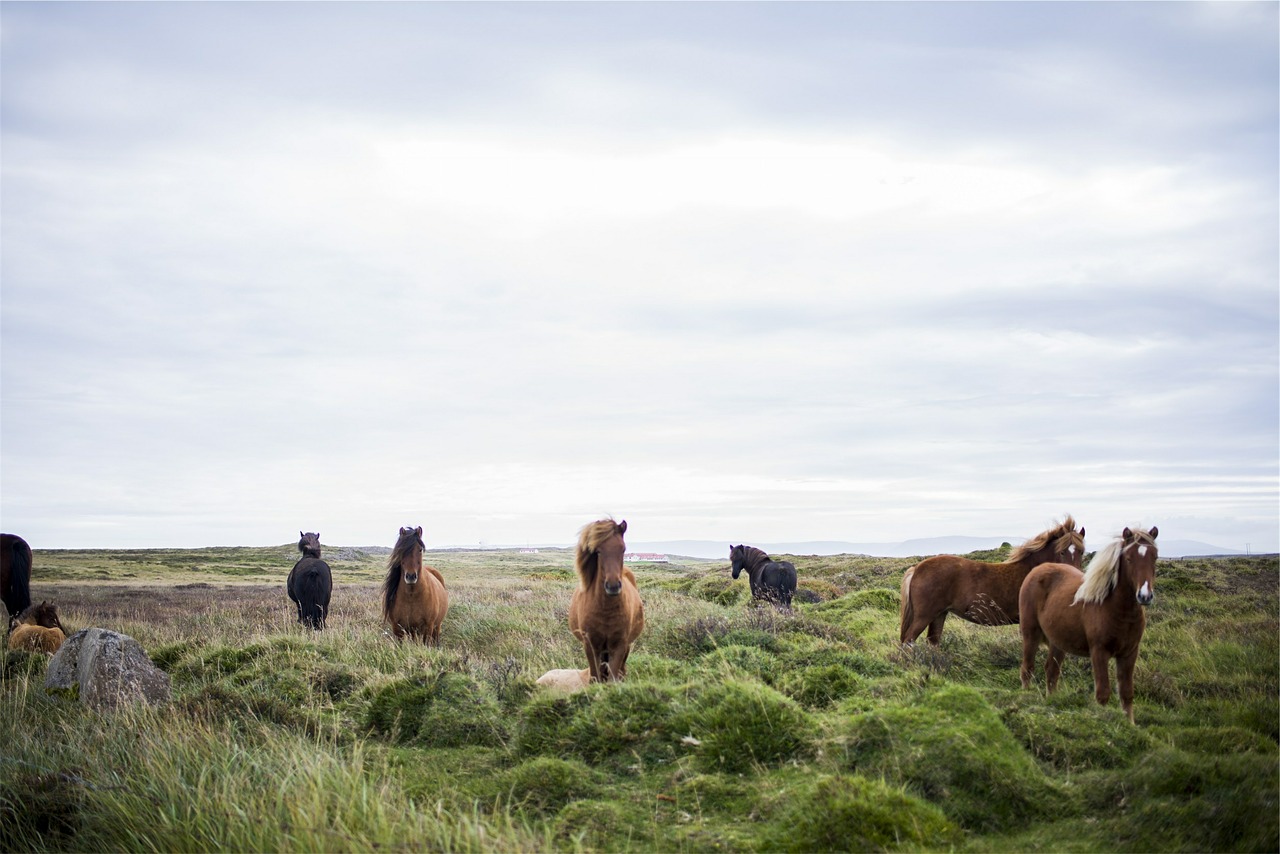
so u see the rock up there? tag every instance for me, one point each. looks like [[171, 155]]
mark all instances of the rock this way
[[567, 681], [110, 670]]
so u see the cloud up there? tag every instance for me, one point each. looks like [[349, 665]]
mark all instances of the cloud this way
[[731, 269]]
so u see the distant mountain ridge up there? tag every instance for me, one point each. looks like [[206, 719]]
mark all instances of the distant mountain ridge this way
[[712, 550]]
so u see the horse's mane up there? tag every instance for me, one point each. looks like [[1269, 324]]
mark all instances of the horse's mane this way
[[1102, 573], [1055, 535], [305, 545], [591, 537], [391, 585], [753, 557]]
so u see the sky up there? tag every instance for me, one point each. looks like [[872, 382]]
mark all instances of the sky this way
[[729, 271]]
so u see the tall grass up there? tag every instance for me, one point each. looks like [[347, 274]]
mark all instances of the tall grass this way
[[739, 729]]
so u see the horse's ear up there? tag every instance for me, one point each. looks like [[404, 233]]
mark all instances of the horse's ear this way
[[417, 531], [1082, 530], [622, 526], [1155, 532], [302, 535], [1127, 535]]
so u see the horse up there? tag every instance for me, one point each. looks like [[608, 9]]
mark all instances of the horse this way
[[37, 629], [414, 600], [1099, 613], [980, 592], [310, 583], [605, 613], [15, 573], [771, 580]]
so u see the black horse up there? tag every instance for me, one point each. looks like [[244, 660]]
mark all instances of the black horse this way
[[310, 583], [771, 580], [15, 573]]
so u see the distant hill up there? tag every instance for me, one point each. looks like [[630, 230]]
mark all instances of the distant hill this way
[[712, 550]]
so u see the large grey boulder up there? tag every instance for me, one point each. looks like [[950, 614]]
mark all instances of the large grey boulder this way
[[110, 670]]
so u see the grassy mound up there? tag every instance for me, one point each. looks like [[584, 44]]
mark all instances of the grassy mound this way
[[951, 747]]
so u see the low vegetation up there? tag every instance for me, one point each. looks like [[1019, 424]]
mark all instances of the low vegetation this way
[[739, 728]]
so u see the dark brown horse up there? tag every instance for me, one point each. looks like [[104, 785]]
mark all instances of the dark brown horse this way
[[15, 573], [310, 583], [37, 628], [1099, 613], [982, 593], [771, 580], [606, 613], [414, 600]]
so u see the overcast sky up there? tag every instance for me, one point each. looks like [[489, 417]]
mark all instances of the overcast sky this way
[[746, 272]]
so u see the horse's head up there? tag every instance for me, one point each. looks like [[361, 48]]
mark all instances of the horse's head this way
[[309, 544], [408, 550], [1060, 544], [738, 557], [609, 560], [1068, 547], [45, 614], [1138, 562]]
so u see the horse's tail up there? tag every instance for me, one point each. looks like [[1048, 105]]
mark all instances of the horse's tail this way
[[17, 597], [906, 612], [313, 587]]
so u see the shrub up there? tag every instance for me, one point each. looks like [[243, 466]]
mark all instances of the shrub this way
[[1075, 736], [852, 813], [820, 685], [739, 723], [631, 720], [545, 784], [445, 710], [952, 748]]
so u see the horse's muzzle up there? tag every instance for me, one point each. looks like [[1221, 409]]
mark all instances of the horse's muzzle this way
[[1145, 594], [612, 588], [411, 578]]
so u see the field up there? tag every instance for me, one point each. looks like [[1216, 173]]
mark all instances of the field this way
[[739, 729]]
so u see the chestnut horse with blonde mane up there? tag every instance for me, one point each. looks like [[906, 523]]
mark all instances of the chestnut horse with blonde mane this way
[[982, 593], [414, 600], [606, 613], [1099, 613]]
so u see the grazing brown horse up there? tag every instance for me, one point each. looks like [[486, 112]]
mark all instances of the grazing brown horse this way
[[606, 613], [1100, 613], [310, 583], [37, 629], [15, 573], [982, 593], [414, 600]]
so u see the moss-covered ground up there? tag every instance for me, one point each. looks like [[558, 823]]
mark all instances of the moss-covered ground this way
[[739, 729]]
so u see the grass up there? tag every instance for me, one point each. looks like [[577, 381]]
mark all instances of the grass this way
[[739, 729]]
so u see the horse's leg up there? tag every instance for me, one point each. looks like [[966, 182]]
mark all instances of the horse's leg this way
[[618, 662], [593, 663], [1031, 636], [1124, 676], [1100, 661], [935, 629], [1053, 667]]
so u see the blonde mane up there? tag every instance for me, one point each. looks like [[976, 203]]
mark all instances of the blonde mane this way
[[1102, 573], [1061, 536], [591, 537]]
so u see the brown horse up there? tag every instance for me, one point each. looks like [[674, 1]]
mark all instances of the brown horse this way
[[982, 593], [606, 613], [414, 600], [37, 629], [1100, 613], [15, 573]]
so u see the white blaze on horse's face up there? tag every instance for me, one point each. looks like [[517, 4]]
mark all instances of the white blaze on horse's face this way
[[1145, 594]]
